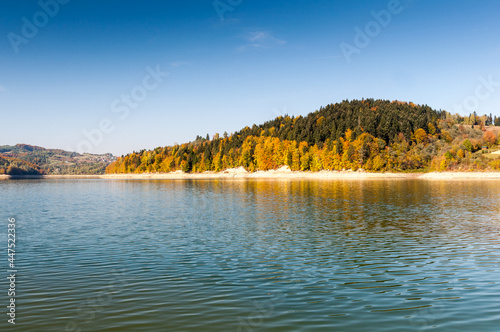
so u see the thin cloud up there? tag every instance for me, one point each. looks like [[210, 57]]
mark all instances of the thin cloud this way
[[2, 88], [258, 36], [261, 39]]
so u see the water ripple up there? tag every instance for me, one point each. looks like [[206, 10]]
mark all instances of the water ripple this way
[[100, 255]]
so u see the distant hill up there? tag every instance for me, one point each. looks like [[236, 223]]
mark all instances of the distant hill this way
[[374, 135], [23, 159]]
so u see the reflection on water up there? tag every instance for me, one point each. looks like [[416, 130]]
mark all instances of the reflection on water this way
[[263, 255]]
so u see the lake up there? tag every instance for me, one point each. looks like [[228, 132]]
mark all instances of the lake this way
[[253, 255]]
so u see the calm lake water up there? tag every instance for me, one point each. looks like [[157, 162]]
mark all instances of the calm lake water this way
[[250, 255]]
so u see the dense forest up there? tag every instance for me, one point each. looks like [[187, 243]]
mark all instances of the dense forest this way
[[23, 159], [373, 135]]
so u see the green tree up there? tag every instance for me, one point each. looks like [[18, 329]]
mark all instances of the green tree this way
[[468, 145]]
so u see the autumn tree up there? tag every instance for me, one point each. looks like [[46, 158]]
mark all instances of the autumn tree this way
[[489, 138], [420, 136]]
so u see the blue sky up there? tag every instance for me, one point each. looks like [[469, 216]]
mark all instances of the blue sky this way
[[220, 68]]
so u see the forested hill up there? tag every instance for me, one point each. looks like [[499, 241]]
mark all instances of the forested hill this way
[[375, 135], [24, 159], [380, 118]]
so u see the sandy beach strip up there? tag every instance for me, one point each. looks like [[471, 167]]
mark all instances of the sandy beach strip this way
[[282, 173], [460, 176], [322, 175], [263, 175]]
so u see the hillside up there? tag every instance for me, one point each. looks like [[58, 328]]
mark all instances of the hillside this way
[[23, 159], [375, 135]]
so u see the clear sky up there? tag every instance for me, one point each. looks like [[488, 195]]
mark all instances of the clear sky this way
[[100, 67]]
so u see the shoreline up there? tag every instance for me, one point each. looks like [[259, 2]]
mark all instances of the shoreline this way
[[274, 175]]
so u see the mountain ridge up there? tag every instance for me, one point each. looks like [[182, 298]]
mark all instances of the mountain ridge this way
[[26, 159]]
